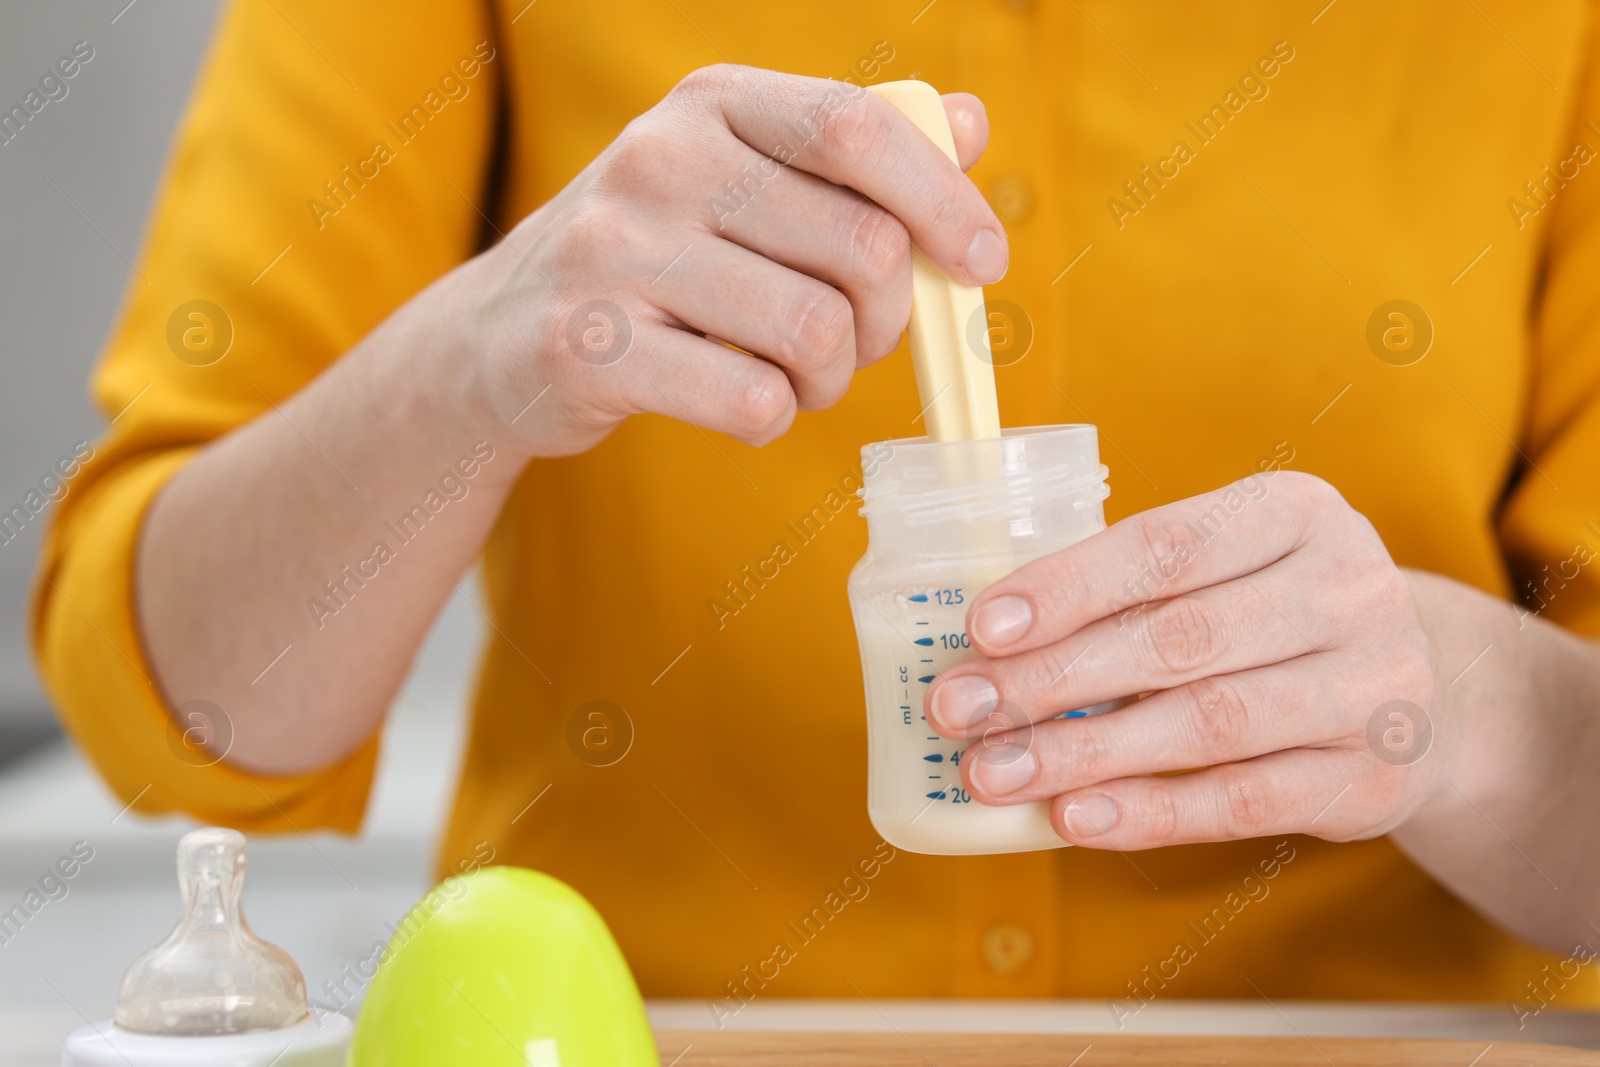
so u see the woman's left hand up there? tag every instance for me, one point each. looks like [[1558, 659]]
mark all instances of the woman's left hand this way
[[1284, 653]]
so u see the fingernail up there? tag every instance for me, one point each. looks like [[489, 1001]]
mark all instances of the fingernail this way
[[1091, 815], [1003, 769], [987, 257], [1003, 620], [962, 702]]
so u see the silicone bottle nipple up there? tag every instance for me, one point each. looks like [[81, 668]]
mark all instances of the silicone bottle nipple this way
[[211, 975]]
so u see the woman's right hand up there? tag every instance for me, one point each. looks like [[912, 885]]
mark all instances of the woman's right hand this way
[[771, 211], [595, 307]]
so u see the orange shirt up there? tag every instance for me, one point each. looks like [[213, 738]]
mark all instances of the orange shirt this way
[[1207, 214]]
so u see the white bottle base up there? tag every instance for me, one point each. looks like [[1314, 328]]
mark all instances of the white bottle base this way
[[944, 830], [313, 1043]]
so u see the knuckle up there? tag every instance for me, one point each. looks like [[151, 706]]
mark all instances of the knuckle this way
[[1318, 509], [636, 140], [851, 132], [817, 327], [1312, 489], [1248, 803], [1388, 594], [1166, 550], [1184, 635], [1219, 718], [1372, 587], [705, 81], [1415, 680], [1049, 672], [1159, 820], [1090, 758], [592, 234], [763, 404], [948, 214], [1065, 590], [639, 156], [1387, 578], [880, 247]]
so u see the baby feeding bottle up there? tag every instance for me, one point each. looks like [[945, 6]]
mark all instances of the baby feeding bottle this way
[[944, 519], [947, 515], [213, 994]]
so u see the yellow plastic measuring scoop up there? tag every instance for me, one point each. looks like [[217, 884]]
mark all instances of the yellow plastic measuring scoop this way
[[955, 379]]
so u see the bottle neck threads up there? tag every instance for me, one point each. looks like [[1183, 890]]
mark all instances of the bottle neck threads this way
[[1010, 495]]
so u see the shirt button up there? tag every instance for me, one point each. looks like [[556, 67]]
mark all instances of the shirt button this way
[[1007, 948], [1011, 198]]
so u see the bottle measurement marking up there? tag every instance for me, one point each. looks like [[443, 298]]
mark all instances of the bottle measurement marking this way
[[953, 645]]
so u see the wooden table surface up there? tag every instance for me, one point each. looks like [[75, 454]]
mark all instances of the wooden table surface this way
[[1480, 1025], [728, 1048], [839, 1033]]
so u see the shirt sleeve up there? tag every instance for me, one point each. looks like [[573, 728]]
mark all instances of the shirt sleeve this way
[[1550, 522], [332, 163]]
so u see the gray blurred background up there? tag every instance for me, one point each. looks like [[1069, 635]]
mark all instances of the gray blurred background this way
[[103, 146], [75, 188]]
